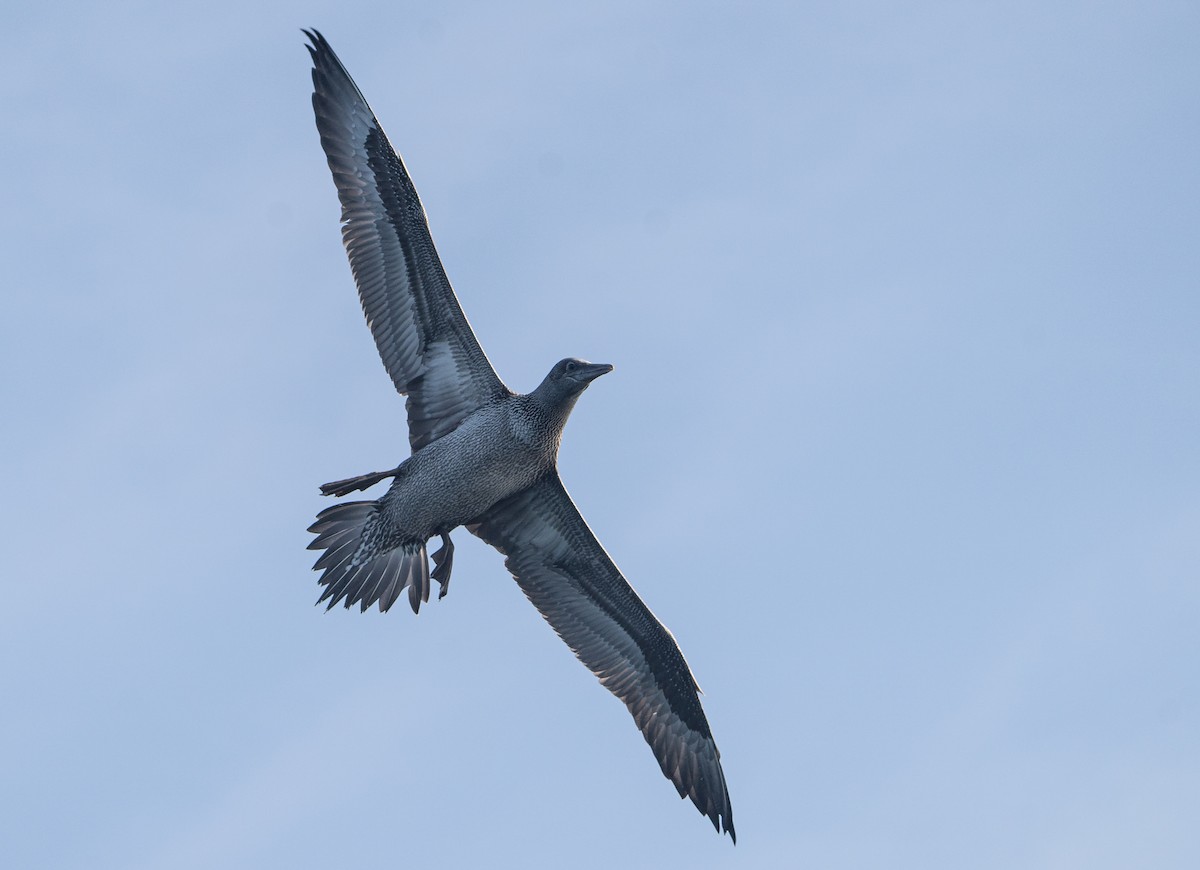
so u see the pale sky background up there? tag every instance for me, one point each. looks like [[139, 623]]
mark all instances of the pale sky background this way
[[903, 441]]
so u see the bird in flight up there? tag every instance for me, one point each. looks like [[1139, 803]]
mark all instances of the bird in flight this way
[[482, 457]]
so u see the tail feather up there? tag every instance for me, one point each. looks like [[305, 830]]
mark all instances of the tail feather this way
[[418, 592], [336, 553], [339, 583], [376, 580], [356, 573], [395, 584], [333, 539], [358, 588], [341, 516]]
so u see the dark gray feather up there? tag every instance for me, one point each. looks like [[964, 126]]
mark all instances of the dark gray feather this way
[[422, 335], [568, 576]]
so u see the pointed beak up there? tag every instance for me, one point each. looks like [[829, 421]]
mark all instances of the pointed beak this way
[[593, 371]]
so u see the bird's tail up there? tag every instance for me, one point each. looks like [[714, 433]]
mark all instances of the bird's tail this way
[[359, 572]]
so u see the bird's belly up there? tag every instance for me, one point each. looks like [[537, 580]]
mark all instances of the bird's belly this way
[[455, 480]]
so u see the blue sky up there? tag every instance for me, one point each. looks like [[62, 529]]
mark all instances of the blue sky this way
[[902, 441]]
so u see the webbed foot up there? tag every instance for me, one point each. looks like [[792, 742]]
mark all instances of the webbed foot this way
[[352, 484], [443, 561]]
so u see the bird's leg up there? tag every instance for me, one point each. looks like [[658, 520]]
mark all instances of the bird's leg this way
[[443, 559], [350, 484]]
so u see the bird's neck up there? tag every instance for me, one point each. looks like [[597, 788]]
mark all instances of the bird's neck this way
[[552, 412]]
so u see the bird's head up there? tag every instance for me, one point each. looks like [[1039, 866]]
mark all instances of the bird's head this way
[[573, 375], [567, 380]]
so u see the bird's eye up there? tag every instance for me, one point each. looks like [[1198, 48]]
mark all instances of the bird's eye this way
[[571, 366]]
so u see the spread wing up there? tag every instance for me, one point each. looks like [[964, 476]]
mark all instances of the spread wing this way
[[564, 571], [422, 335]]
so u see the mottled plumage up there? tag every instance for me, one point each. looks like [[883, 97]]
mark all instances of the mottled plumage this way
[[483, 457]]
